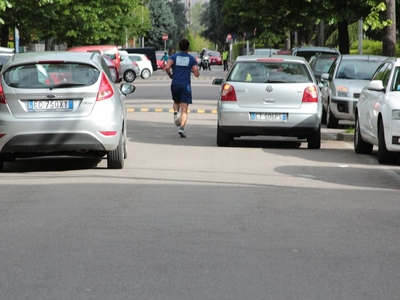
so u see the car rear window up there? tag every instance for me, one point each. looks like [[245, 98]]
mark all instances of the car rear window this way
[[272, 72], [50, 75], [214, 53]]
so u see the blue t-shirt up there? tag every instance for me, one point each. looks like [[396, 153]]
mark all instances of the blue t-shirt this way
[[182, 67]]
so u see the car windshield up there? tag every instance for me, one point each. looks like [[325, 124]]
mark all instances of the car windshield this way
[[272, 72], [360, 69], [51, 75]]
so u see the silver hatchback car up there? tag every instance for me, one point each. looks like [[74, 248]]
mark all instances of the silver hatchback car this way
[[61, 103], [271, 96]]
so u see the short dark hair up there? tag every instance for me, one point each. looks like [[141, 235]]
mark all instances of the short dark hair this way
[[184, 45]]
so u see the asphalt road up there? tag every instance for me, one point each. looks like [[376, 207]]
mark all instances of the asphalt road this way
[[264, 219]]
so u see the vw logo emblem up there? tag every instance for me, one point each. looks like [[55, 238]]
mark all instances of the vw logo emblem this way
[[269, 88]]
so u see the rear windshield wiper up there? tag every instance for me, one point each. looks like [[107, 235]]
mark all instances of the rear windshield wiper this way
[[276, 81], [66, 84]]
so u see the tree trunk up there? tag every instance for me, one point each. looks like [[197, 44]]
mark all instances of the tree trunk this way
[[5, 32], [343, 36], [389, 32]]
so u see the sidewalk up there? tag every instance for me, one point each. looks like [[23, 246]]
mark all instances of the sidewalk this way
[[336, 134]]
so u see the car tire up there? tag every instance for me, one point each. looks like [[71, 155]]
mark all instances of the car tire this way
[[384, 156], [360, 147], [331, 121], [223, 138], [1, 164], [125, 148], [146, 74], [129, 76], [323, 119], [115, 158], [314, 140]]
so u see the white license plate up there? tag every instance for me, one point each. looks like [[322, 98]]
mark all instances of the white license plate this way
[[269, 117], [50, 105]]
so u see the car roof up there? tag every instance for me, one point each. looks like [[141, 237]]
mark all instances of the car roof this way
[[254, 58], [79, 57], [138, 54], [316, 48], [362, 56], [92, 47]]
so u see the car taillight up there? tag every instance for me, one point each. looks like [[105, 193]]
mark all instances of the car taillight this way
[[228, 93], [106, 90], [310, 94], [2, 96], [109, 133]]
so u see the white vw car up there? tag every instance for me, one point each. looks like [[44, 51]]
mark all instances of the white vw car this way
[[377, 115]]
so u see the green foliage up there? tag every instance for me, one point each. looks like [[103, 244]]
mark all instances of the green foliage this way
[[373, 20], [4, 4], [178, 12], [371, 47], [75, 22]]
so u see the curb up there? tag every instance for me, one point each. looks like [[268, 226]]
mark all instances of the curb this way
[[347, 137]]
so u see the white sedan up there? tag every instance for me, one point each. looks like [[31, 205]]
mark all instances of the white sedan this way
[[146, 69], [377, 115]]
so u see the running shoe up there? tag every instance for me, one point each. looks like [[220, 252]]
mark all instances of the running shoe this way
[[177, 118], [182, 132]]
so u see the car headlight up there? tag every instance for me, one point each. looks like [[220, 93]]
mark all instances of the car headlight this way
[[342, 91], [395, 114]]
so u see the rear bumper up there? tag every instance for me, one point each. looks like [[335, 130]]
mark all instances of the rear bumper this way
[[296, 126], [77, 142]]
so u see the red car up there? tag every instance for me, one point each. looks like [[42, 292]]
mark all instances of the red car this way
[[160, 62], [115, 73], [215, 57]]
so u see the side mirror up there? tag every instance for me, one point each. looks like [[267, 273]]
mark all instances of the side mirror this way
[[376, 85], [127, 88], [217, 81], [325, 76]]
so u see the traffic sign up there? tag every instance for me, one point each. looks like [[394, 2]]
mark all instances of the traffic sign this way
[[165, 37], [229, 37]]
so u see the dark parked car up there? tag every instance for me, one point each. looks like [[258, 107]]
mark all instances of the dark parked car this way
[[308, 52], [321, 63]]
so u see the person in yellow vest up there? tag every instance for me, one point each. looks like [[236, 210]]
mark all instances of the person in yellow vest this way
[[225, 56]]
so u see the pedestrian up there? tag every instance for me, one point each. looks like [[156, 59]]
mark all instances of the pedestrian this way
[[179, 68], [225, 56], [165, 58]]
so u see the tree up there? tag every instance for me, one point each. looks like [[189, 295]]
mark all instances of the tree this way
[[162, 22], [215, 30], [88, 21], [179, 12], [389, 31]]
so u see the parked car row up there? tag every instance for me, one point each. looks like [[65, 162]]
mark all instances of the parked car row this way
[[282, 95], [130, 62]]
